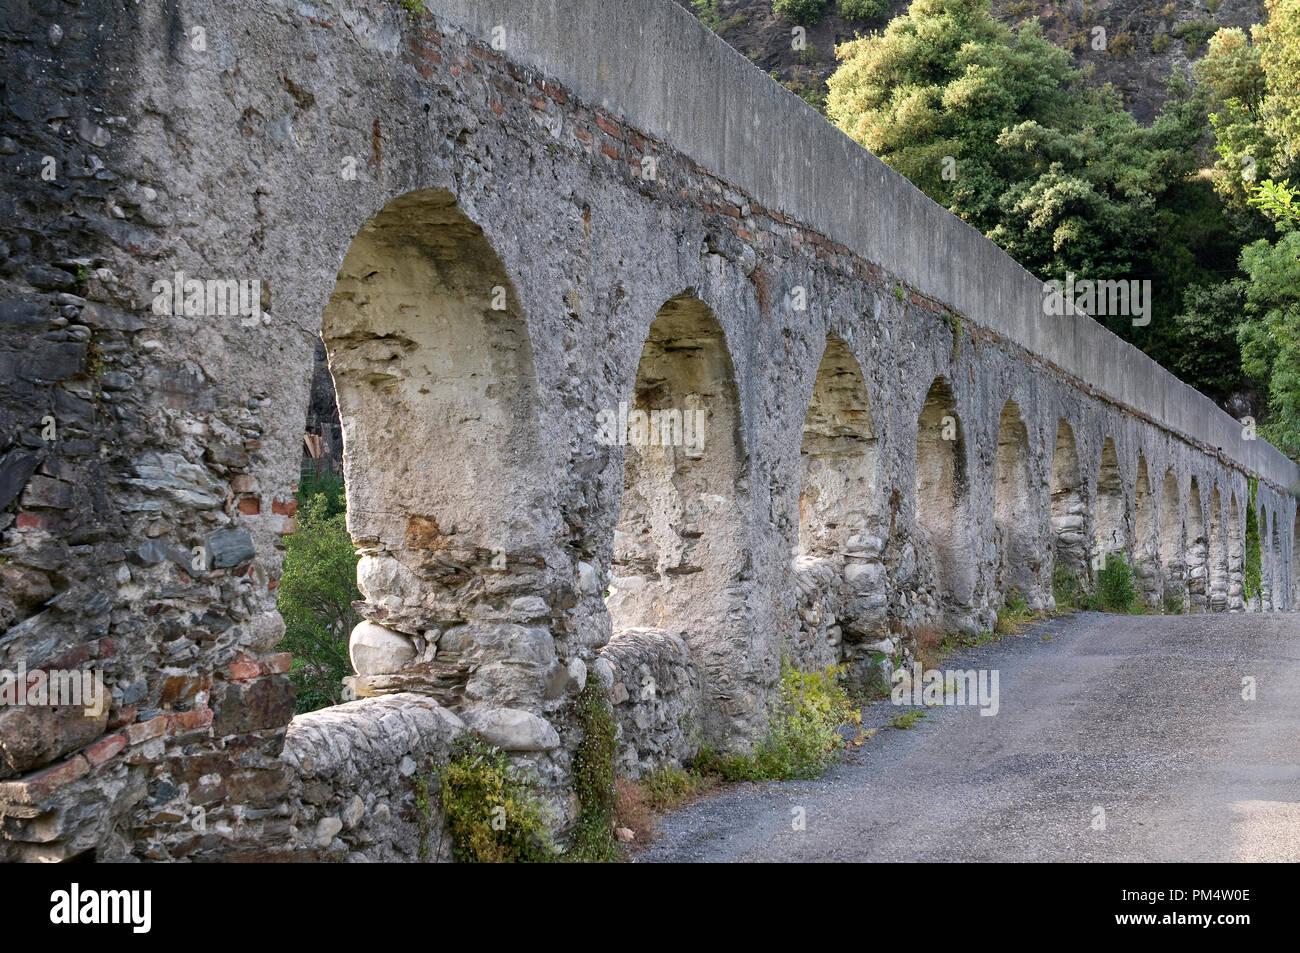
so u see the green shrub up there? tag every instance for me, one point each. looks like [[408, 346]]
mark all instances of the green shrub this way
[[1120, 46], [1172, 601], [1013, 615], [490, 810], [1115, 586], [806, 12], [668, 786], [1195, 33], [1065, 588], [328, 485], [802, 735], [318, 585], [1160, 43], [862, 9], [707, 13], [593, 778]]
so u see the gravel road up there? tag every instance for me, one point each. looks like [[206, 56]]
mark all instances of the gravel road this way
[[1141, 717]]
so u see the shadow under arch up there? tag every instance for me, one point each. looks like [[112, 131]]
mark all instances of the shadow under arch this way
[[679, 543], [1110, 518], [1217, 593], [1197, 551], [1146, 541], [433, 369], [839, 573], [1069, 549], [1173, 552], [1236, 556], [942, 500], [1019, 566]]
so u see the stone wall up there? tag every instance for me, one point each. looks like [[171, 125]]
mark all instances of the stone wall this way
[[655, 693], [502, 246], [354, 769]]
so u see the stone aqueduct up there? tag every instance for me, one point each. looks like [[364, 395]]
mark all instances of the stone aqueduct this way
[[504, 219]]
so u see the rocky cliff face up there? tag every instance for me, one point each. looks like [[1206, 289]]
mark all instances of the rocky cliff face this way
[[1144, 39]]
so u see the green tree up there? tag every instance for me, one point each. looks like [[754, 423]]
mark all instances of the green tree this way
[[862, 9], [995, 124], [1279, 41], [1207, 333], [1269, 334], [1252, 90], [316, 592], [806, 12]]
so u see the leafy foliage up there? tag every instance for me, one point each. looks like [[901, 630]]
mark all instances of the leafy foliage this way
[[490, 810], [806, 12], [1207, 331], [1116, 591], [1269, 334], [1055, 171], [802, 734], [317, 588], [862, 9], [593, 777]]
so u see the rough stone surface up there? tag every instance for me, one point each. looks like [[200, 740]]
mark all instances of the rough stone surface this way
[[512, 730], [656, 699]]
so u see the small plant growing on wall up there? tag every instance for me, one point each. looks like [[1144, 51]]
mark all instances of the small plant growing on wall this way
[[806, 12], [593, 778], [491, 812]]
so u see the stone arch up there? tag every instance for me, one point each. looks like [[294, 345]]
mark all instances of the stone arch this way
[[1110, 520], [1018, 563], [1069, 511], [1217, 566], [1197, 552], [942, 498], [433, 368], [1275, 569], [838, 563], [1265, 601], [679, 541], [1295, 561], [837, 455], [1236, 556], [1173, 554], [1146, 545]]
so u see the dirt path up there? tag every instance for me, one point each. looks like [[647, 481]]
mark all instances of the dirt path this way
[[1142, 717]]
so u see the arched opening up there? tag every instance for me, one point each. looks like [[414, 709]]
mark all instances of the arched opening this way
[[433, 369], [837, 456], [1198, 552], [678, 544], [838, 566], [942, 492], [1018, 566], [1236, 556], [1110, 513], [1265, 561], [1295, 561], [1069, 512], [1274, 568], [1146, 553], [1173, 560], [1218, 556]]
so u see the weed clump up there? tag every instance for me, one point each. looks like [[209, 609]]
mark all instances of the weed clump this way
[[802, 735], [491, 811]]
